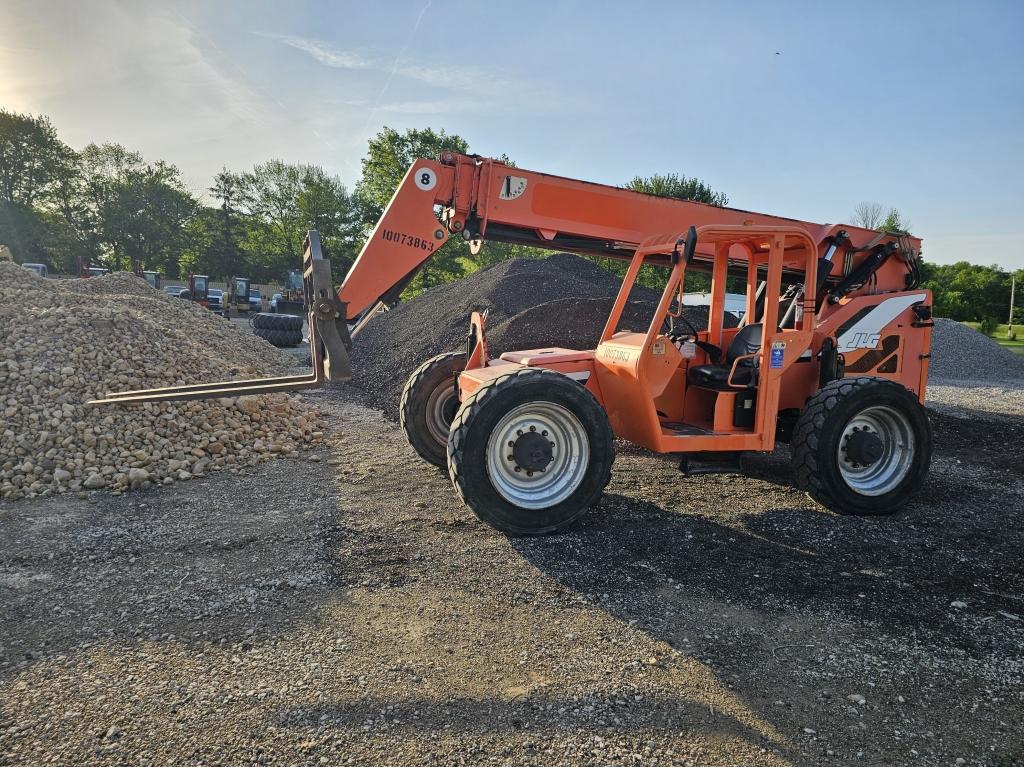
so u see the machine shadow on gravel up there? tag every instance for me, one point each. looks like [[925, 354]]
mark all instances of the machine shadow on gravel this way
[[900, 572], [532, 715]]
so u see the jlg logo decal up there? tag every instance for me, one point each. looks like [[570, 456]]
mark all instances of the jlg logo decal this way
[[860, 341]]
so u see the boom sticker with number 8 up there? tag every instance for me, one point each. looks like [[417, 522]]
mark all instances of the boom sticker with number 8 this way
[[426, 179]]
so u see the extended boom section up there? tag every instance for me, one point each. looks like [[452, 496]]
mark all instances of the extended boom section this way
[[480, 199]]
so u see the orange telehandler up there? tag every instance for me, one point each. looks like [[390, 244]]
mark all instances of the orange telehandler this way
[[831, 356]]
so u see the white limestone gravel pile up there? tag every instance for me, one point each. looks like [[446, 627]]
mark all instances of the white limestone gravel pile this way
[[963, 354], [970, 373], [64, 342]]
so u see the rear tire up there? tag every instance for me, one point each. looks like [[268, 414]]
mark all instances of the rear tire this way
[[266, 321], [279, 337], [862, 446], [429, 403], [530, 452]]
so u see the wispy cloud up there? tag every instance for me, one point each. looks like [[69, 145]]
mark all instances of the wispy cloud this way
[[326, 55], [475, 85]]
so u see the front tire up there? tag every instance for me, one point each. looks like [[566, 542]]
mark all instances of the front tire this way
[[429, 403], [530, 452], [862, 446]]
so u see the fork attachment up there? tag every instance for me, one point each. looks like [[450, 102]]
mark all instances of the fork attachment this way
[[329, 345]]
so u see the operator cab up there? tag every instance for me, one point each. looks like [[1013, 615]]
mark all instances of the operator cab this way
[[713, 388]]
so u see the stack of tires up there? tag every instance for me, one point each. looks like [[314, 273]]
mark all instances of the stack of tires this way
[[278, 329]]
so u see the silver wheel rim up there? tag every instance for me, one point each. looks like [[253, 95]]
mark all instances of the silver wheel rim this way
[[897, 436], [570, 455], [438, 403]]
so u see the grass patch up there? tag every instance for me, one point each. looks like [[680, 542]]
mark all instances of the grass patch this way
[[1000, 337]]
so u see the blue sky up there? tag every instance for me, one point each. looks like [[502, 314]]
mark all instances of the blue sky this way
[[915, 105]]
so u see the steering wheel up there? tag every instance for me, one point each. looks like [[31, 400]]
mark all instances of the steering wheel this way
[[674, 333]]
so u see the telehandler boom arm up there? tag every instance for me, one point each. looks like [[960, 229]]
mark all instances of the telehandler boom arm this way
[[481, 199]]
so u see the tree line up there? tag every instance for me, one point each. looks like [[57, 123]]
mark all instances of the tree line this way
[[106, 205]]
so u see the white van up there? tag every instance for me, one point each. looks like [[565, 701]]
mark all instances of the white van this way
[[736, 303]]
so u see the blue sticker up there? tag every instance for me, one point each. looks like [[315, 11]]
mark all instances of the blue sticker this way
[[778, 352]]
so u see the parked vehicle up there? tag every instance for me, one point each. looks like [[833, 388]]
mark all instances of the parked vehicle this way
[[273, 302], [293, 300], [241, 289], [215, 302], [735, 303], [255, 300], [174, 290], [198, 287], [39, 269]]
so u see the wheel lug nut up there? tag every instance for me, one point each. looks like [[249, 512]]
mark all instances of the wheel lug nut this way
[[551, 443], [519, 432], [511, 457], [529, 473], [518, 469], [544, 433], [533, 428], [511, 444]]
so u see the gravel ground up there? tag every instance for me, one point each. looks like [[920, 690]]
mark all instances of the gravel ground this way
[[961, 398], [322, 610]]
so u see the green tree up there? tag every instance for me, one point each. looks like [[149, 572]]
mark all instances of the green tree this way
[[387, 160], [389, 156], [872, 215], [144, 217], [680, 187], [31, 158], [868, 215], [111, 207], [965, 291], [279, 202], [225, 226], [894, 222], [23, 230], [34, 163]]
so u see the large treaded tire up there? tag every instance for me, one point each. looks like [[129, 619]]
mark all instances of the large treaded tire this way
[[484, 411], [280, 337], [267, 321], [819, 432], [429, 403]]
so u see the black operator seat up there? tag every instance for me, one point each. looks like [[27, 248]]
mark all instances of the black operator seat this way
[[746, 341]]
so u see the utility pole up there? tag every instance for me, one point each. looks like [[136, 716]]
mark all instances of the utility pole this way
[[1013, 289]]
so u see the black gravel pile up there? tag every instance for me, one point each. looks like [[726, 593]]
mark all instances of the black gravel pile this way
[[563, 300]]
